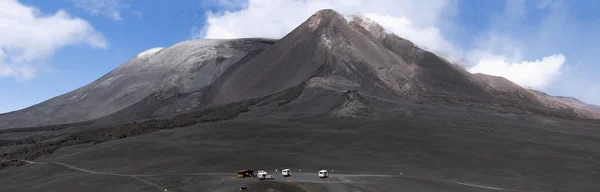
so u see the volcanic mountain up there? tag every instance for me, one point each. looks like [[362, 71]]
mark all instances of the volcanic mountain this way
[[337, 93], [326, 53]]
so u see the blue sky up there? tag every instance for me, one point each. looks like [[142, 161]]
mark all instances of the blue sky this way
[[549, 45]]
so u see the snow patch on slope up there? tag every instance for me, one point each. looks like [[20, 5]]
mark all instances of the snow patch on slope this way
[[364, 21], [149, 52]]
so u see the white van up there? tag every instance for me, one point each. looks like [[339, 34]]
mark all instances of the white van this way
[[286, 172], [323, 174], [262, 175]]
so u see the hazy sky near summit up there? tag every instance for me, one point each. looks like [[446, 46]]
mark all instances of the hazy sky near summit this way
[[50, 48]]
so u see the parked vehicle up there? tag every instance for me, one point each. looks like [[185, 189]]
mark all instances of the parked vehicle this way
[[261, 175], [270, 177], [245, 173], [286, 172], [323, 174]]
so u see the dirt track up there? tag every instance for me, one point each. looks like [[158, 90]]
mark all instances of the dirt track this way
[[335, 182]]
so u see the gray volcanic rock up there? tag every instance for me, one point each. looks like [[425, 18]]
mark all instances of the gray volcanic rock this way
[[163, 72]]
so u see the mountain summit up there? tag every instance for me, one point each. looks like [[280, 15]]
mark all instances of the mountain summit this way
[[334, 52], [330, 50], [327, 54]]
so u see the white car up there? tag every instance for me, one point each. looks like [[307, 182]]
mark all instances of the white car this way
[[323, 174], [286, 172], [270, 177], [261, 175]]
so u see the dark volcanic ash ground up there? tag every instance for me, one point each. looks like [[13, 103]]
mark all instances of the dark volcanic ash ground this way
[[433, 147]]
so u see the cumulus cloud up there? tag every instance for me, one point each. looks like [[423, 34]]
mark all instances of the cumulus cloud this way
[[503, 56], [534, 74], [411, 19], [428, 37], [28, 37], [415, 20], [275, 18], [107, 8]]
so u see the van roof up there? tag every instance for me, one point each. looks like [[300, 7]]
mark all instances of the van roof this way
[[323, 171]]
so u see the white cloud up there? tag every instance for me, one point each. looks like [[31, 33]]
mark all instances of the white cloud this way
[[275, 18], [411, 19], [503, 56], [534, 74], [427, 37], [27, 37], [107, 8]]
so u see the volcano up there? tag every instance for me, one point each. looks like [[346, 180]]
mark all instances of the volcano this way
[[328, 51], [337, 93]]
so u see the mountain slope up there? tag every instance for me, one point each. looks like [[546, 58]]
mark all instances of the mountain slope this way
[[567, 102], [335, 53], [329, 48], [329, 54], [183, 68]]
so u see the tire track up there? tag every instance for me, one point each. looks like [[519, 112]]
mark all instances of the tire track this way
[[459, 183], [343, 177], [136, 177], [149, 183]]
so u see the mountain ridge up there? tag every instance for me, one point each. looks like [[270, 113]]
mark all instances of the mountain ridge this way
[[184, 67], [328, 52]]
